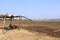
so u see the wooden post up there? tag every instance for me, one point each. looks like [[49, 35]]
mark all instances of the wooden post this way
[[11, 20], [19, 24], [4, 22]]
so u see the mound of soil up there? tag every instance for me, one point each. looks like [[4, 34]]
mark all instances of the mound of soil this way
[[24, 35], [18, 35]]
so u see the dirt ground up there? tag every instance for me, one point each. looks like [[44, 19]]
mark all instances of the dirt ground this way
[[24, 35], [33, 30], [18, 35]]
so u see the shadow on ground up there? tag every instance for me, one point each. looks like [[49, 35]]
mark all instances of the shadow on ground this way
[[43, 29]]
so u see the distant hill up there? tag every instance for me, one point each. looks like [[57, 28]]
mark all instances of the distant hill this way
[[49, 20]]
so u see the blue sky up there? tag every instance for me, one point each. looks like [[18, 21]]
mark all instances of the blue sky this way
[[33, 9]]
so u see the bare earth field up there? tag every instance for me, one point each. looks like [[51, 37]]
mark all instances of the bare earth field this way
[[32, 30]]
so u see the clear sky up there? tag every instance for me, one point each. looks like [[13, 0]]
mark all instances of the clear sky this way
[[34, 9]]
